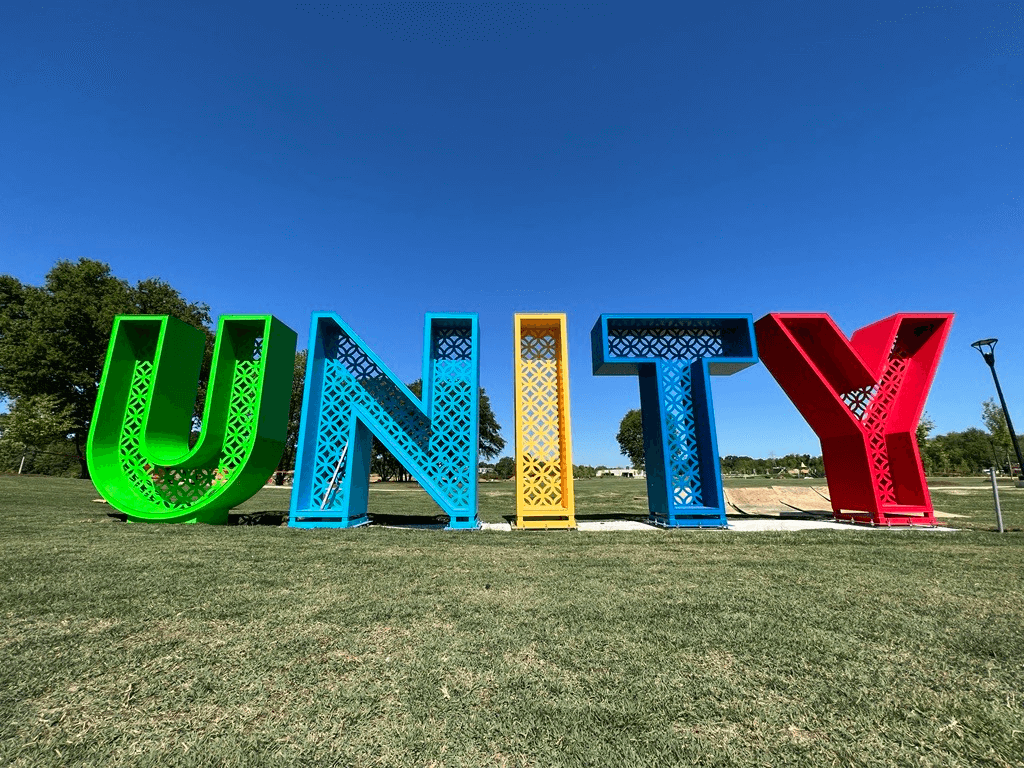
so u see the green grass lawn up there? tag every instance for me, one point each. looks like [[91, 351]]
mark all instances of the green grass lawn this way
[[263, 645]]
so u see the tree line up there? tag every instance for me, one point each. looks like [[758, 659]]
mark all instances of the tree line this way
[[505, 469], [972, 451], [630, 438], [53, 345], [969, 452]]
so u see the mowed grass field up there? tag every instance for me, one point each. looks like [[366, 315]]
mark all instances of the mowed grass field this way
[[262, 645]]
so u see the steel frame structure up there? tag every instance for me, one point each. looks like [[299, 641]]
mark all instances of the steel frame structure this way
[[350, 394], [138, 448], [863, 397], [674, 356], [544, 483]]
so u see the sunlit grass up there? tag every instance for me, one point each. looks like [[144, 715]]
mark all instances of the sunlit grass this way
[[263, 645]]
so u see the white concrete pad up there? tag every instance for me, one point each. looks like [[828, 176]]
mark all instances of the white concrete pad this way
[[495, 526], [615, 525], [746, 526]]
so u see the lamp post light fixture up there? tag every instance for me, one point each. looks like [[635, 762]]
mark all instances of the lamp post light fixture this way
[[987, 349]]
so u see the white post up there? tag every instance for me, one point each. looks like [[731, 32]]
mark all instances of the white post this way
[[995, 494], [20, 466]]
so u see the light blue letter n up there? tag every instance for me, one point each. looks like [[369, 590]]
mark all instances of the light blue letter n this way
[[351, 395]]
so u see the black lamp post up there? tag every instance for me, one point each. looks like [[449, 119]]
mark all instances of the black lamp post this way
[[986, 347]]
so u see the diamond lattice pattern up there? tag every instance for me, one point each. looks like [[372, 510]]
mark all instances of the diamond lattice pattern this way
[[681, 433], [540, 403], [677, 344], [181, 489], [667, 339], [871, 406], [439, 453]]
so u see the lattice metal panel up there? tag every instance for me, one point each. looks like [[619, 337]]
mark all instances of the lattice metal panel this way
[[452, 453], [874, 418], [683, 454], [665, 339], [871, 407], [452, 340], [674, 355], [352, 378], [151, 489], [436, 444], [181, 489], [544, 497], [858, 400], [877, 486], [453, 444]]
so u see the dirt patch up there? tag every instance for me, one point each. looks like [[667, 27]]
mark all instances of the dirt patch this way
[[756, 501], [804, 499]]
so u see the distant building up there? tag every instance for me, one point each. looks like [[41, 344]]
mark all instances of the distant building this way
[[621, 472]]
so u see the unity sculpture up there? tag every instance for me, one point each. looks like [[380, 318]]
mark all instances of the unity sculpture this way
[[863, 397]]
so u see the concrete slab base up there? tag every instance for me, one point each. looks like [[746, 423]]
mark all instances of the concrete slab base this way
[[738, 525], [747, 526], [615, 525], [496, 527]]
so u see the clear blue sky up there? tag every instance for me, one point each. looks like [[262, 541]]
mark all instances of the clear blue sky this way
[[383, 160]]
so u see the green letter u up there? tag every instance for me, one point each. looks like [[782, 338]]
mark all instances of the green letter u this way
[[138, 449]]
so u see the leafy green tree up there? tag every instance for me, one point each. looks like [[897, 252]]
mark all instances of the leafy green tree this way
[[386, 466], [816, 466], [37, 427], [924, 428], [583, 471], [54, 337], [37, 420], [631, 438], [505, 467], [934, 458], [995, 422], [966, 452], [491, 441]]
